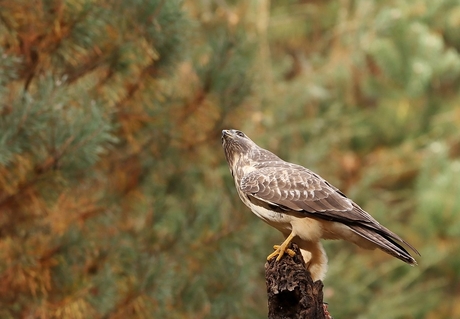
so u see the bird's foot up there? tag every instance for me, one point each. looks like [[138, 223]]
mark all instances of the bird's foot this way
[[279, 251]]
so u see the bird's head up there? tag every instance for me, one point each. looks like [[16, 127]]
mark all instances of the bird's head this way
[[236, 145]]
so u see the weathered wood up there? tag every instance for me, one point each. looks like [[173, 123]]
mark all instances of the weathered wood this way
[[291, 291]]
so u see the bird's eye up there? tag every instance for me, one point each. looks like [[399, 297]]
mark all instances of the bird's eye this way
[[240, 134]]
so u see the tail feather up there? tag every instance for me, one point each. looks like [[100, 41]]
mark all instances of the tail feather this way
[[386, 241]]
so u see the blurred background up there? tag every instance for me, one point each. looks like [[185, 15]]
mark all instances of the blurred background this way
[[115, 197]]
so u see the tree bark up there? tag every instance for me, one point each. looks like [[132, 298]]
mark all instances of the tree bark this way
[[291, 291]]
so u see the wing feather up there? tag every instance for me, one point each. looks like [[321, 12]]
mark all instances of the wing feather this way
[[298, 188], [387, 243], [287, 186]]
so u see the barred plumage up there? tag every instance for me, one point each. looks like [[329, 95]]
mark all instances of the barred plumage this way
[[303, 205]]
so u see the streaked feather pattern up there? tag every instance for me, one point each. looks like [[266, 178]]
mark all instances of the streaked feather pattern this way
[[291, 189]]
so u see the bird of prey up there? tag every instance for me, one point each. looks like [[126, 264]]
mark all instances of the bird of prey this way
[[303, 206]]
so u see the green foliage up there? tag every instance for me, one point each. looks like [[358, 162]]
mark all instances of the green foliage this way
[[116, 200], [55, 121], [8, 65], [437, 189]]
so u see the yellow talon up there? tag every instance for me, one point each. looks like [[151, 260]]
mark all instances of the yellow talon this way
[[290, 252], [273, 254], [281, 249]]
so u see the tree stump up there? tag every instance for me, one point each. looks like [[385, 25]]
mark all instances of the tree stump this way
[[291, 291]]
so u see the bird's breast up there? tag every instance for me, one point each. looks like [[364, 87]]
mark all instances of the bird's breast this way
[[280, 221]]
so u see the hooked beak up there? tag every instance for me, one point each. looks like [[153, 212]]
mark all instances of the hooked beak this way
[[225, 134]]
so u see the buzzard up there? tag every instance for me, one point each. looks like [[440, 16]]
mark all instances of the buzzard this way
[[303, 206]]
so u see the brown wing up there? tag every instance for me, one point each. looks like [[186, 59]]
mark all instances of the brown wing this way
[[292, 187]]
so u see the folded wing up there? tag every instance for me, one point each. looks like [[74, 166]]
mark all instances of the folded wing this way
[[289, 187]]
